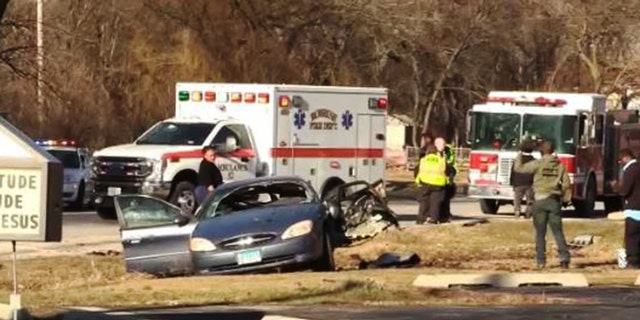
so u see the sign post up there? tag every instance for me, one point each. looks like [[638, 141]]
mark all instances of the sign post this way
[[30, 197]]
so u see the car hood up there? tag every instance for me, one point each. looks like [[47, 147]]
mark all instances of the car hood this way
[[152, 151], [258, 220]]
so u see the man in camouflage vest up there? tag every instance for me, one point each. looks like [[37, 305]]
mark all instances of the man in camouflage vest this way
[[552, 189]]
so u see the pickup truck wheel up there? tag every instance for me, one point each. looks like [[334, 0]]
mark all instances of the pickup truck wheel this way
[[107, 213], [489, 206], [184, 196], [78, 204]]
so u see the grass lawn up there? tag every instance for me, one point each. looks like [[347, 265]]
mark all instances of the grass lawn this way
[[50, 283]]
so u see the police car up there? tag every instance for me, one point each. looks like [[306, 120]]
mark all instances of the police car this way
[[76, 161]]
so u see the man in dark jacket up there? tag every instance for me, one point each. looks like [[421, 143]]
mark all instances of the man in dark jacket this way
[[523, 182], [630, 191]]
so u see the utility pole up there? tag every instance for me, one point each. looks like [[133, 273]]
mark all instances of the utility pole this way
[[40, 61]]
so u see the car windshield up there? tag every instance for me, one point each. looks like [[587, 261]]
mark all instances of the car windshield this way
[[257, 195], [177, 133], [556, 128], [495, 130], [69, 158]]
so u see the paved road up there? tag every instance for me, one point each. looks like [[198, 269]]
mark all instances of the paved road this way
[[597, 303], [86, 232]]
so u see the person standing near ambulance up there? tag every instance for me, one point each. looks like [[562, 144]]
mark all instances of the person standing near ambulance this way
[[432, 179], [209, 176], [551, 189]]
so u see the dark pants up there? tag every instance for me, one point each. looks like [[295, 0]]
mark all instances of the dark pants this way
[[445, 211], [431, 199], [201, 194], [632, 242], [548, 211], [519, 193]]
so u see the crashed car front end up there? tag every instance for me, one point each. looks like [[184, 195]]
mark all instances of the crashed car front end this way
[[361, 210]]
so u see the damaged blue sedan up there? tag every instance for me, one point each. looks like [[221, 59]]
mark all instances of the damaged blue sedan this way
[[270, 223]]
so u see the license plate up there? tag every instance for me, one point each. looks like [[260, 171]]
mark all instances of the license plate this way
[[248, 257], [114, 191]]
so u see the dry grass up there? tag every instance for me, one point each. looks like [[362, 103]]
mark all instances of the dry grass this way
[[50, 283]]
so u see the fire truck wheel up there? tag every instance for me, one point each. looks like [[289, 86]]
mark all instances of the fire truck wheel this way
[[613, 204], [586, 207], [489, 206]]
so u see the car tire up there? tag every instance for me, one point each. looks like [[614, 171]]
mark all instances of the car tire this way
[[326, 261], [78, 204], [187, 189], [107, 213]]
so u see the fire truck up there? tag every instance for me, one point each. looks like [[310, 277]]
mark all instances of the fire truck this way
[[328, 135], [587, 138]]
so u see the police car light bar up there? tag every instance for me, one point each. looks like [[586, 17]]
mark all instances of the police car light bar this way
[[55, 143]]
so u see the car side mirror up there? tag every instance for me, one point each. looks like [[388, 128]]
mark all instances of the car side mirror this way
[[181, 220], [334, 210]]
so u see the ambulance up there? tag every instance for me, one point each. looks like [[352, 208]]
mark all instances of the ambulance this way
[[327, 135], [586, 135]]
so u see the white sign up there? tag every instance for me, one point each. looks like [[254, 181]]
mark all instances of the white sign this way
[[11, 149], [20, 194]]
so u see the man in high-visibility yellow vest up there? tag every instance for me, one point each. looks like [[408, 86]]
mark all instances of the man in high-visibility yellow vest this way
[[432, 178], [448, 153]]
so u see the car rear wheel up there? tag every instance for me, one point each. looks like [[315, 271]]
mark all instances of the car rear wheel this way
[[326, 262]]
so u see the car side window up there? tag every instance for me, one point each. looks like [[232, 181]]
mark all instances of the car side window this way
[[237, 131], [140, 212]]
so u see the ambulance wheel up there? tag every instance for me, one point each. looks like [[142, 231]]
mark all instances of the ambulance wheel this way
[[489, 206], [184, 196], [587, 206]]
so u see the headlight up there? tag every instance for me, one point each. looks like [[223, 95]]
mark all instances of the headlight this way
[[157, 169], [298, 229], [201, 244]]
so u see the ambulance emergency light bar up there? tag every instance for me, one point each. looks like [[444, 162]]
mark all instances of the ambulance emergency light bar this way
[[55, 143], [211, 96], [540, 101]]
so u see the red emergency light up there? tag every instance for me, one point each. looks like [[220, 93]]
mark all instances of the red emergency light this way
[[501, 99], [284, 101], [236, 97], [263, 98], [209, 96], [249, 97], [56, 143], [545, 102], [378, 103]]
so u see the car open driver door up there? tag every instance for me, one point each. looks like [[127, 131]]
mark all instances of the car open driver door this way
[[154, 234]]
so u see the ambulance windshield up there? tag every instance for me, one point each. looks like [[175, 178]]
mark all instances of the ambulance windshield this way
[[177, 133], [556, 128], [495, 130]]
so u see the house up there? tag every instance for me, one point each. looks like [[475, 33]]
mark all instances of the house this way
[[399, 128]]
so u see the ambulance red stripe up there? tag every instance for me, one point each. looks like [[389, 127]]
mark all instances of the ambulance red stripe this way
[[192, 154], [326, 153]]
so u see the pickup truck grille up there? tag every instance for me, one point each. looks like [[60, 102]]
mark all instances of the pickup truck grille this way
[[504, 170], [121, 169]]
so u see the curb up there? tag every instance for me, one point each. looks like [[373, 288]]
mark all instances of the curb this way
[[501, 280]]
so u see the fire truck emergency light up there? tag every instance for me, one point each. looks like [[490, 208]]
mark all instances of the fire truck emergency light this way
[[540, 101]]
